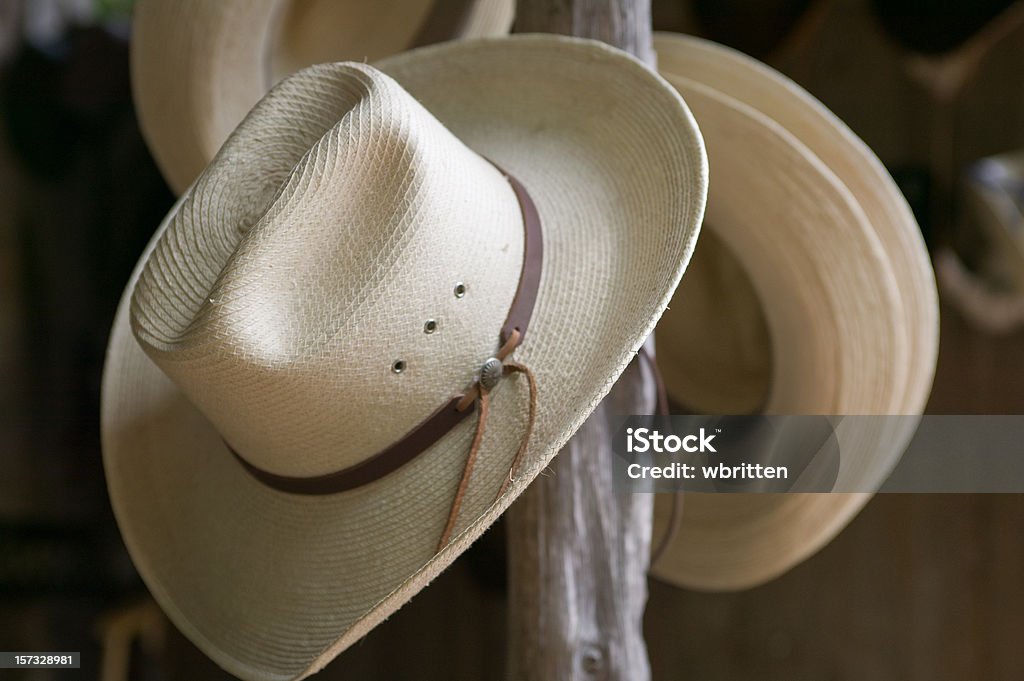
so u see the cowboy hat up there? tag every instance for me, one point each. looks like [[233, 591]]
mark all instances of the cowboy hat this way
[[837, 267], [199, 66], [289, 430]]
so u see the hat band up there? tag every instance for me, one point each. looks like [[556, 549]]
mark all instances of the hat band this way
[[442, 421]]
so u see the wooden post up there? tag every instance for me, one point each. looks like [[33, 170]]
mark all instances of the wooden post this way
[[578, 553], [626, 24]]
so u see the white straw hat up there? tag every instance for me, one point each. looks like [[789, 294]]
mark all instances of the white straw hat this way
[[199, 66], [841, 273], [329, 288]]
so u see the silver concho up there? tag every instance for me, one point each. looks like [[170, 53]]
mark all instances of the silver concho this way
[[491, 372]]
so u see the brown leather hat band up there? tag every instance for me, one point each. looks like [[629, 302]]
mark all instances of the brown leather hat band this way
[[521, 310], [377, 466], [444, 419]]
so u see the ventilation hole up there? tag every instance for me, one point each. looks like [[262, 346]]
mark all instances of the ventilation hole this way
[[430, 326], [460, 290], [398, 367]]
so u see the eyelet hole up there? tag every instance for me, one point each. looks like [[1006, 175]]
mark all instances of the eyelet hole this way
[[398, 366], [430, 326], [460, 290]]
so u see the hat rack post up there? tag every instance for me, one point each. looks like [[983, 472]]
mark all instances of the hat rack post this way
[[579, 552]]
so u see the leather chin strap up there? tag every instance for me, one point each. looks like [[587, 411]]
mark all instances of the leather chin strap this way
[[449, 415]]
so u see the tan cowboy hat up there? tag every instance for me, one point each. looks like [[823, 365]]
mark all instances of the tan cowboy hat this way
[[836, 266], [288, 403], [199, 66]]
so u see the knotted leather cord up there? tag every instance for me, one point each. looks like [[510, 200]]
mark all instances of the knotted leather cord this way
[[531, 379], [514, 339], [467, 470], [661, 408], [481, 394]]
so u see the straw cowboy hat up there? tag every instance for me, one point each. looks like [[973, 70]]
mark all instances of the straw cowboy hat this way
[[199, 66], [836, 266], [303, 421]]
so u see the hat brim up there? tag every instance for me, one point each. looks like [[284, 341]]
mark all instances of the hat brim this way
[[853, 348], [198, 66], [272, 585]]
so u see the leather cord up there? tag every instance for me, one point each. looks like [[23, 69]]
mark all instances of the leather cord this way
[[482, 396]]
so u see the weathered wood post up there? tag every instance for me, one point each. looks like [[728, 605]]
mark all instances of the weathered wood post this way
[[578, 553]]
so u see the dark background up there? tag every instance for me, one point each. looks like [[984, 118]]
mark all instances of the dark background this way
[[918, 587]]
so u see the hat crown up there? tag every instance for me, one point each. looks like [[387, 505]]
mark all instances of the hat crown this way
[[304, 294]]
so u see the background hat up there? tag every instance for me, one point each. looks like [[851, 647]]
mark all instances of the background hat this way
[[199, 66], [839, 271], [289, 279]]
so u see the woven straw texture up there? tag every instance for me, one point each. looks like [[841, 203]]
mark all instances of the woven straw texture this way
[[199, 66], [304, 261], [843, 279]]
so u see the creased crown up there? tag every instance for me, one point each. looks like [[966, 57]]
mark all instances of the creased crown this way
[[319, 254]]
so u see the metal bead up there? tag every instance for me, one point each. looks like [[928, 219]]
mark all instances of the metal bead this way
[[490, 373]]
